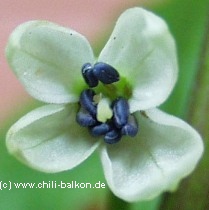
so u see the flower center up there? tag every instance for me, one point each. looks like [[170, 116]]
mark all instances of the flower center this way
[[105, 113]]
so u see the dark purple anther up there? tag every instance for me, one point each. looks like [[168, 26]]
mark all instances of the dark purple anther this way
[[131, 128], [105, 73], [101, 129], [112, 136], [84, 119], [120, 112], [87, 102], [88, 75]]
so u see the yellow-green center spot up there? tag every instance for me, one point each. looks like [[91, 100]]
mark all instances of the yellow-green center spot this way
[[104, 112]]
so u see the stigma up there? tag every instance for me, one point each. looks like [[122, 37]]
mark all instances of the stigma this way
[[103, 117]]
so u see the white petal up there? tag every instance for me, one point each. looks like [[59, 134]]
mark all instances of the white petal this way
[[47, 59], [143, 51], [48, 139], [165, 150]]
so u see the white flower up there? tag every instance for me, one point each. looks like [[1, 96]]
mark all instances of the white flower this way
[[48, 58]]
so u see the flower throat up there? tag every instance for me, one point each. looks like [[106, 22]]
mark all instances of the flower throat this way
[[111, 119]]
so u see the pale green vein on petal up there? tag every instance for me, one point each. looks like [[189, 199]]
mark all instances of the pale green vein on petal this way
[[49, 139], [47, 59]]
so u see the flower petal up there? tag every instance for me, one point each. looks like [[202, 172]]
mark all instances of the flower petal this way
[[47, 59], [142, 50], [48, 139], [165, 150]]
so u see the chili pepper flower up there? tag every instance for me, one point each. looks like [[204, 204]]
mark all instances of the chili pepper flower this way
[[106, 103]]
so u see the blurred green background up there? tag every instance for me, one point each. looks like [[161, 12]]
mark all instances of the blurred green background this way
[[187, 21]]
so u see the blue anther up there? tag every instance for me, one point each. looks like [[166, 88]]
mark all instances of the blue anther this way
[[88, 75], [100, 129], [105, 73], [87, 102], [84, 119], [112, 136], [120, 112], [131, 128]]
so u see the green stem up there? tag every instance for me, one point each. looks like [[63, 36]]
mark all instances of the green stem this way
[[115, 203], [194, 191]]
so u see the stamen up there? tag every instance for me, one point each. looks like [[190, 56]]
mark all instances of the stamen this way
[[131, 128], [105, 73], [120, 112], [100, 129], [84, 119], [88, 75], [103, 118], [112, 136], [87, 101]]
